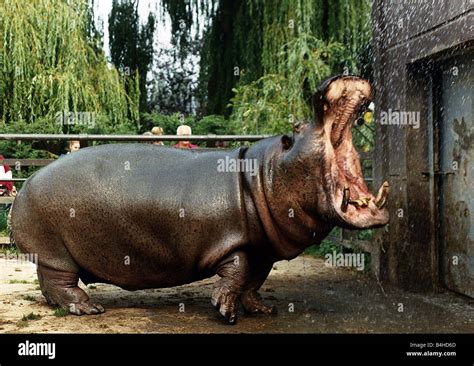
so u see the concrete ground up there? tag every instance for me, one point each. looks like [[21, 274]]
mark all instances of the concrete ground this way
[[310, 297]]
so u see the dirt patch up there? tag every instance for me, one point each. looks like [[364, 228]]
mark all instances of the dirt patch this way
[[310, 297]]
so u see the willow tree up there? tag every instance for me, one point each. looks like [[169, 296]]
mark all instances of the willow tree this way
[[276, 100], [48, 66], [245, 37], [131, 45], [242, 38]]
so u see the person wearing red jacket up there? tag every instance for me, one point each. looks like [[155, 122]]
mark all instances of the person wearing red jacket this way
[[184, 130], [5, 173]]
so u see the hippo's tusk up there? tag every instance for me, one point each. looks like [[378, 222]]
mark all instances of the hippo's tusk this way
[[382, 195], [346, 197]]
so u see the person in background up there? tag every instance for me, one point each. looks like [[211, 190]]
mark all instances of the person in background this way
[[6, 188], [157, 131], [73, 146], [184, 130], [147, 133]]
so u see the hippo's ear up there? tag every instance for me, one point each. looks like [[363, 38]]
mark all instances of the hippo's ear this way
[[299, 126], [286, 142]]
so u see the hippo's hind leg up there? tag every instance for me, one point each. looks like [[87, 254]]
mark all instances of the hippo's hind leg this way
[[58, 273], [240, 280], [60, 288]]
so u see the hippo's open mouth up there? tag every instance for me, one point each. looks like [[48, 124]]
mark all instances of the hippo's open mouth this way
[[345, 98]]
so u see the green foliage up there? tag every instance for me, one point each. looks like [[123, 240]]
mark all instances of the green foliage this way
[[60, 312], [365, 234], [51, 62], [22, 324], [7, 251], [212, 124], [231, 52], [326, 246], [169, 123], [31, 316], [174, 81], [329, 247], [3, 220], [186, 16], [13, 282], [47, 66], [271, 103], [249, 34], [93, 34], [26, 318], [131, 45]]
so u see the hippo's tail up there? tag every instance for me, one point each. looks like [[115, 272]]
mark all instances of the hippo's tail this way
[[9, 226]]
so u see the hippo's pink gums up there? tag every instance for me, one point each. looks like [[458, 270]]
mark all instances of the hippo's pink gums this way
[[144, 216]]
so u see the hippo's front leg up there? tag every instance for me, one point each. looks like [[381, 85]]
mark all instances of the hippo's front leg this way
[[240, 280], [251, 300]]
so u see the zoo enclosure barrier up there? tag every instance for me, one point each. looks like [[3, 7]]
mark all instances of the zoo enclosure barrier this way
[[346, 238]]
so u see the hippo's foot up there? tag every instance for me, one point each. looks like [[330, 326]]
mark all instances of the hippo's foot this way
[[253, 304], [60, 289], [225, 300], [234, 273]]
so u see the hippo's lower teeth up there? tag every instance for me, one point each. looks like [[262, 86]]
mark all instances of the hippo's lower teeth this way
[[346, 200], [382, 195], [360, 202], [346, 197]]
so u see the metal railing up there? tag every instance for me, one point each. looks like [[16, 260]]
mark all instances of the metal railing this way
[[90, 137], [151, 138]]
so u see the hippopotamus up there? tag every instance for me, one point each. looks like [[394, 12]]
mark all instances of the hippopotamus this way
[[145, 216]]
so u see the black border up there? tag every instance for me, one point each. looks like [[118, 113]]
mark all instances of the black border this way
[[345, 347]]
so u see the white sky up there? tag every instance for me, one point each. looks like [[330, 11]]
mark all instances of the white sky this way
[[102, 10]]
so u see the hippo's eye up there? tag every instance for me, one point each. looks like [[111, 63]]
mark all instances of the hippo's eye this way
[[358, 122], [366, 116]]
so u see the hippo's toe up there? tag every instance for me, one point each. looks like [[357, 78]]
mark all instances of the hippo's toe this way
[[85, 308], [253, 304], [225, 301]]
